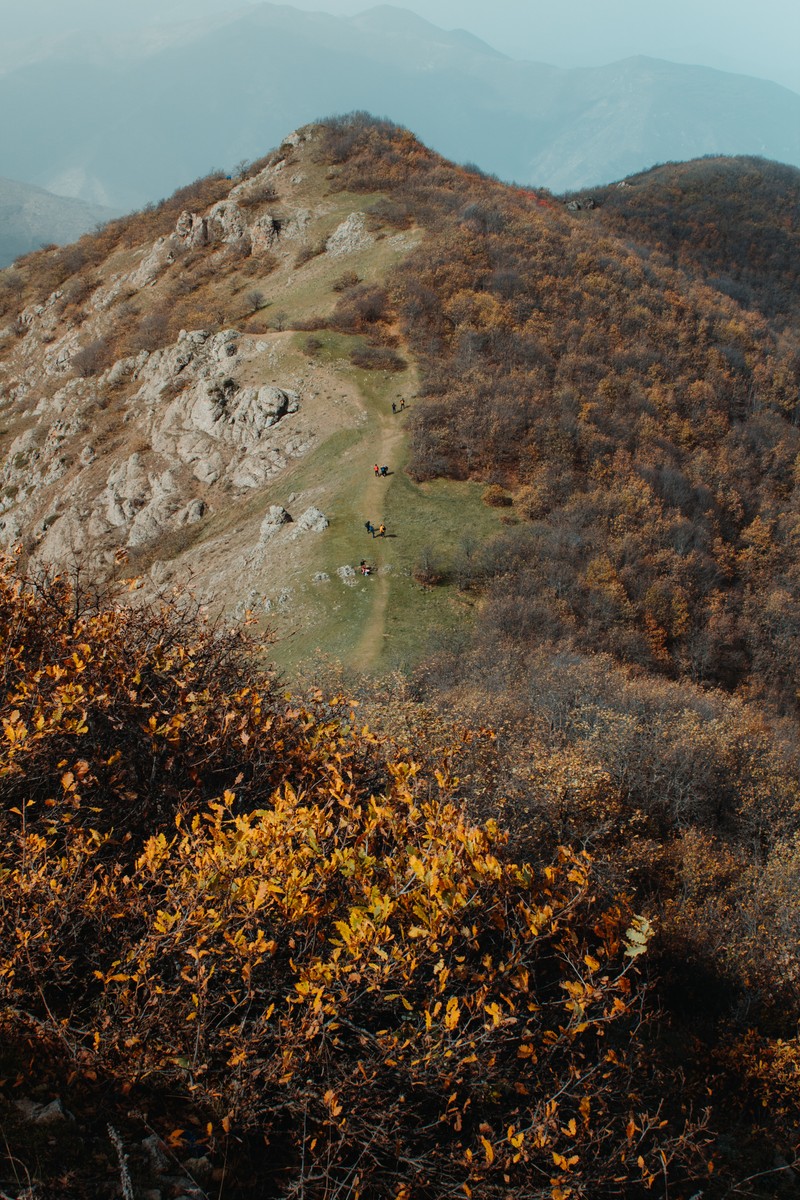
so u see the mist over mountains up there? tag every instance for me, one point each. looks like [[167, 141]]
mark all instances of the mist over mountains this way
[[30, 217], [123, 119]]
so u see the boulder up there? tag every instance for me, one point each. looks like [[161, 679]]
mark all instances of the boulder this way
[[313, 519], [274, 518], [191, 229], [351, 235], [191, 513]]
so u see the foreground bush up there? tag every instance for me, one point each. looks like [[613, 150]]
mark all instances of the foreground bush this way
[[330, 955]]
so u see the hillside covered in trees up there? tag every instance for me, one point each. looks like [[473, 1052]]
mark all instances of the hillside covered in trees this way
[[516, 915], [643, 424], [733, 221]]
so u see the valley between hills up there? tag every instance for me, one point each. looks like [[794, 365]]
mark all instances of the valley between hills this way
[[473, 876]]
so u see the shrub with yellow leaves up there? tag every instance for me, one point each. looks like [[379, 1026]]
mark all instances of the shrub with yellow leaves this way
[[331, 954]]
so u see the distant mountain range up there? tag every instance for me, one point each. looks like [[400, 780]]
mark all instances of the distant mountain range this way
[[123, 120], [31, 217]]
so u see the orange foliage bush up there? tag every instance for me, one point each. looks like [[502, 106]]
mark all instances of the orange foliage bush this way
[[331, 953]]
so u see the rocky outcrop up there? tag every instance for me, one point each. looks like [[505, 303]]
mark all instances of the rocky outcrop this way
[[351, 235], [196, 422], [142, 502], [227, 224], [165, 451], [162, 255], [217, 427]]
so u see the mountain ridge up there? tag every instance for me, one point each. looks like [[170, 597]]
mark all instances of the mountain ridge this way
[[579, 627], [157, 319], [543, 125]]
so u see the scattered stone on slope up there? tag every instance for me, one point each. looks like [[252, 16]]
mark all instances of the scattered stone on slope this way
[[156, 1153], [42, 1114]]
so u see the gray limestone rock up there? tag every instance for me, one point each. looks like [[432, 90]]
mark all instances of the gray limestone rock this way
[[226, 222], [42, 1114], [351, 235], [161, 255], [191, 513], [192, 229], [313, 519], [156, 1153], [273, 520]]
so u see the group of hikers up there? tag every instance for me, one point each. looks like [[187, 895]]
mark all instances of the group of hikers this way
[[380, 473]]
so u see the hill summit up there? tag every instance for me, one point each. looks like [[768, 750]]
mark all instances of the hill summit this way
[[206, 386]]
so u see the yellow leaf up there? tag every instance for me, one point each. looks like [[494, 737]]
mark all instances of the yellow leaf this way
[[452, 1014], [487, 1149]]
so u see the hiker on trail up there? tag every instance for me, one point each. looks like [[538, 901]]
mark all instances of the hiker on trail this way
[[402, 404], [394, 407], [377, 470], [370, 528], [381, 531], [384, 472]]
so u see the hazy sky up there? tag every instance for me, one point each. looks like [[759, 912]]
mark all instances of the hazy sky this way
[[755, 38]]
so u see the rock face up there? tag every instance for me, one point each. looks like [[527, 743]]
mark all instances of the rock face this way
[[119, 431], [196, 423]]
